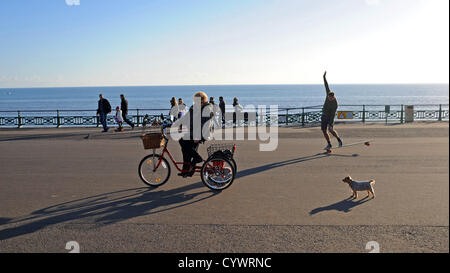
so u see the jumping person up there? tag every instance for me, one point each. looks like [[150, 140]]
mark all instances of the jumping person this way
[[328, 114]]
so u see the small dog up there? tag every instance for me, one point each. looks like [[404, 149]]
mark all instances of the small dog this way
[[360, 186]]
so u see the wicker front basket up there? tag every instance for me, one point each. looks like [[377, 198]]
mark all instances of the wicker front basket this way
[[153, 141]]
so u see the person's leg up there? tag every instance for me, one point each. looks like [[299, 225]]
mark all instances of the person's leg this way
[[125, 118], [195, 158], [327, 136], [186, 155], [324, 127], [106, 122], [335, 134], [103, 121]]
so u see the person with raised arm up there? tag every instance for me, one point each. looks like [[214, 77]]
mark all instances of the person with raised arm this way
[[328, 114]]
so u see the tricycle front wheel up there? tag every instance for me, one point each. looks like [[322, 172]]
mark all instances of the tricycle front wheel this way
[[154, 170]]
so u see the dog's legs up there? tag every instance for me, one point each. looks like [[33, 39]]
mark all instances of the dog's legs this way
[[356, 194], [368, 193], [373, 193]]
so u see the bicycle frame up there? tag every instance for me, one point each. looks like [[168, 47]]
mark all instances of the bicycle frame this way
[[175, 163]]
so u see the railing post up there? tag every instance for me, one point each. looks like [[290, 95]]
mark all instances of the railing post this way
[[19, 120], [256, 118], [440, 112], [303, 117], [137, 124], [287, 117], [58, 121], [364, 114], [401, 115]]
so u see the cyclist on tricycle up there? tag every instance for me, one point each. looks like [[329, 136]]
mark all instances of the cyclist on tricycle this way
[[217, 172]]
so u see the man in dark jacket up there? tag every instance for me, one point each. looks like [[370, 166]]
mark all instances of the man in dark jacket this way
[[104, 108], [124, 108], [222, 109]]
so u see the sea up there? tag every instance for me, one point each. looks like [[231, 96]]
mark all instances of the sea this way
[[84, 99]]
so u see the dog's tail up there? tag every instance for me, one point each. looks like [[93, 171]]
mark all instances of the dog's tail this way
[[372, 182]]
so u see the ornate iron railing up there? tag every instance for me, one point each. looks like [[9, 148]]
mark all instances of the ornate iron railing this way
[[284, 116]]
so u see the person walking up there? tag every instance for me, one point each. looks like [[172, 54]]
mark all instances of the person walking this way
[[237, 111], [182, 108], [119, 119], [328, 114], [222, 109], [173, 113], [104, 108], [124, 108]]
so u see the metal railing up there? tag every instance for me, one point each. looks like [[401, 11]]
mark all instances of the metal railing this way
[[284, 116]]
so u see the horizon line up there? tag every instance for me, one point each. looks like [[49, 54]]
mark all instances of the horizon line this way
[[245, 84]]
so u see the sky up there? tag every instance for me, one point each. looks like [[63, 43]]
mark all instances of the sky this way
[[51, 43]]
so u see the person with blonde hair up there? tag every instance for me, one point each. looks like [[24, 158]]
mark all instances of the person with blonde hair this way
[[173, 113], [189, 145]]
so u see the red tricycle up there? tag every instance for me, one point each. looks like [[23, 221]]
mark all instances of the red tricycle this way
[[217, 172]]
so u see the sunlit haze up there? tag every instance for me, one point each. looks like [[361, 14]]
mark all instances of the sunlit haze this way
[[184, 42]]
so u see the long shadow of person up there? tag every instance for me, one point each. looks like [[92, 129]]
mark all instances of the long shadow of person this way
[[108, 208], [343, 206], [294, 161]]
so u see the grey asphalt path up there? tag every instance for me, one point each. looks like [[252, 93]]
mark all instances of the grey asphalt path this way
[[58, 185]]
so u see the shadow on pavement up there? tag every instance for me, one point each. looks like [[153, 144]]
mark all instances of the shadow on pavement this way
[[107, 208], [343, 206], [280, 164], [38, 137]]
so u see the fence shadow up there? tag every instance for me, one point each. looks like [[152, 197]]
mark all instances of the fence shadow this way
[[107, 208]]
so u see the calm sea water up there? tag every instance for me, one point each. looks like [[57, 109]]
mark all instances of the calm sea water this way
[[157, 97]]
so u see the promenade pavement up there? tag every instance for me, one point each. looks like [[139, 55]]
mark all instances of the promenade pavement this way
[[77, 184]]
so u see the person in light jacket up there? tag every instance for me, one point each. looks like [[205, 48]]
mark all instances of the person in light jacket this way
[[119, 119]]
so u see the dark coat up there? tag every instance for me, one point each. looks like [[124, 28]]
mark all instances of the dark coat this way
[[222, 107], [124, 106], [190, 135], [104, 106]]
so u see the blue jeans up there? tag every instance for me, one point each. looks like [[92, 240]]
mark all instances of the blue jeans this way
[[103, 117]]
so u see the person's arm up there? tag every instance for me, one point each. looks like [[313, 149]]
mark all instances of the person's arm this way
[[108, 106], [125, 107], [327, 88]]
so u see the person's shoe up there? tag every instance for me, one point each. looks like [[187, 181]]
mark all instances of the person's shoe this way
[[329, 146], [183, 174], [191, 170], [340, 143]]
